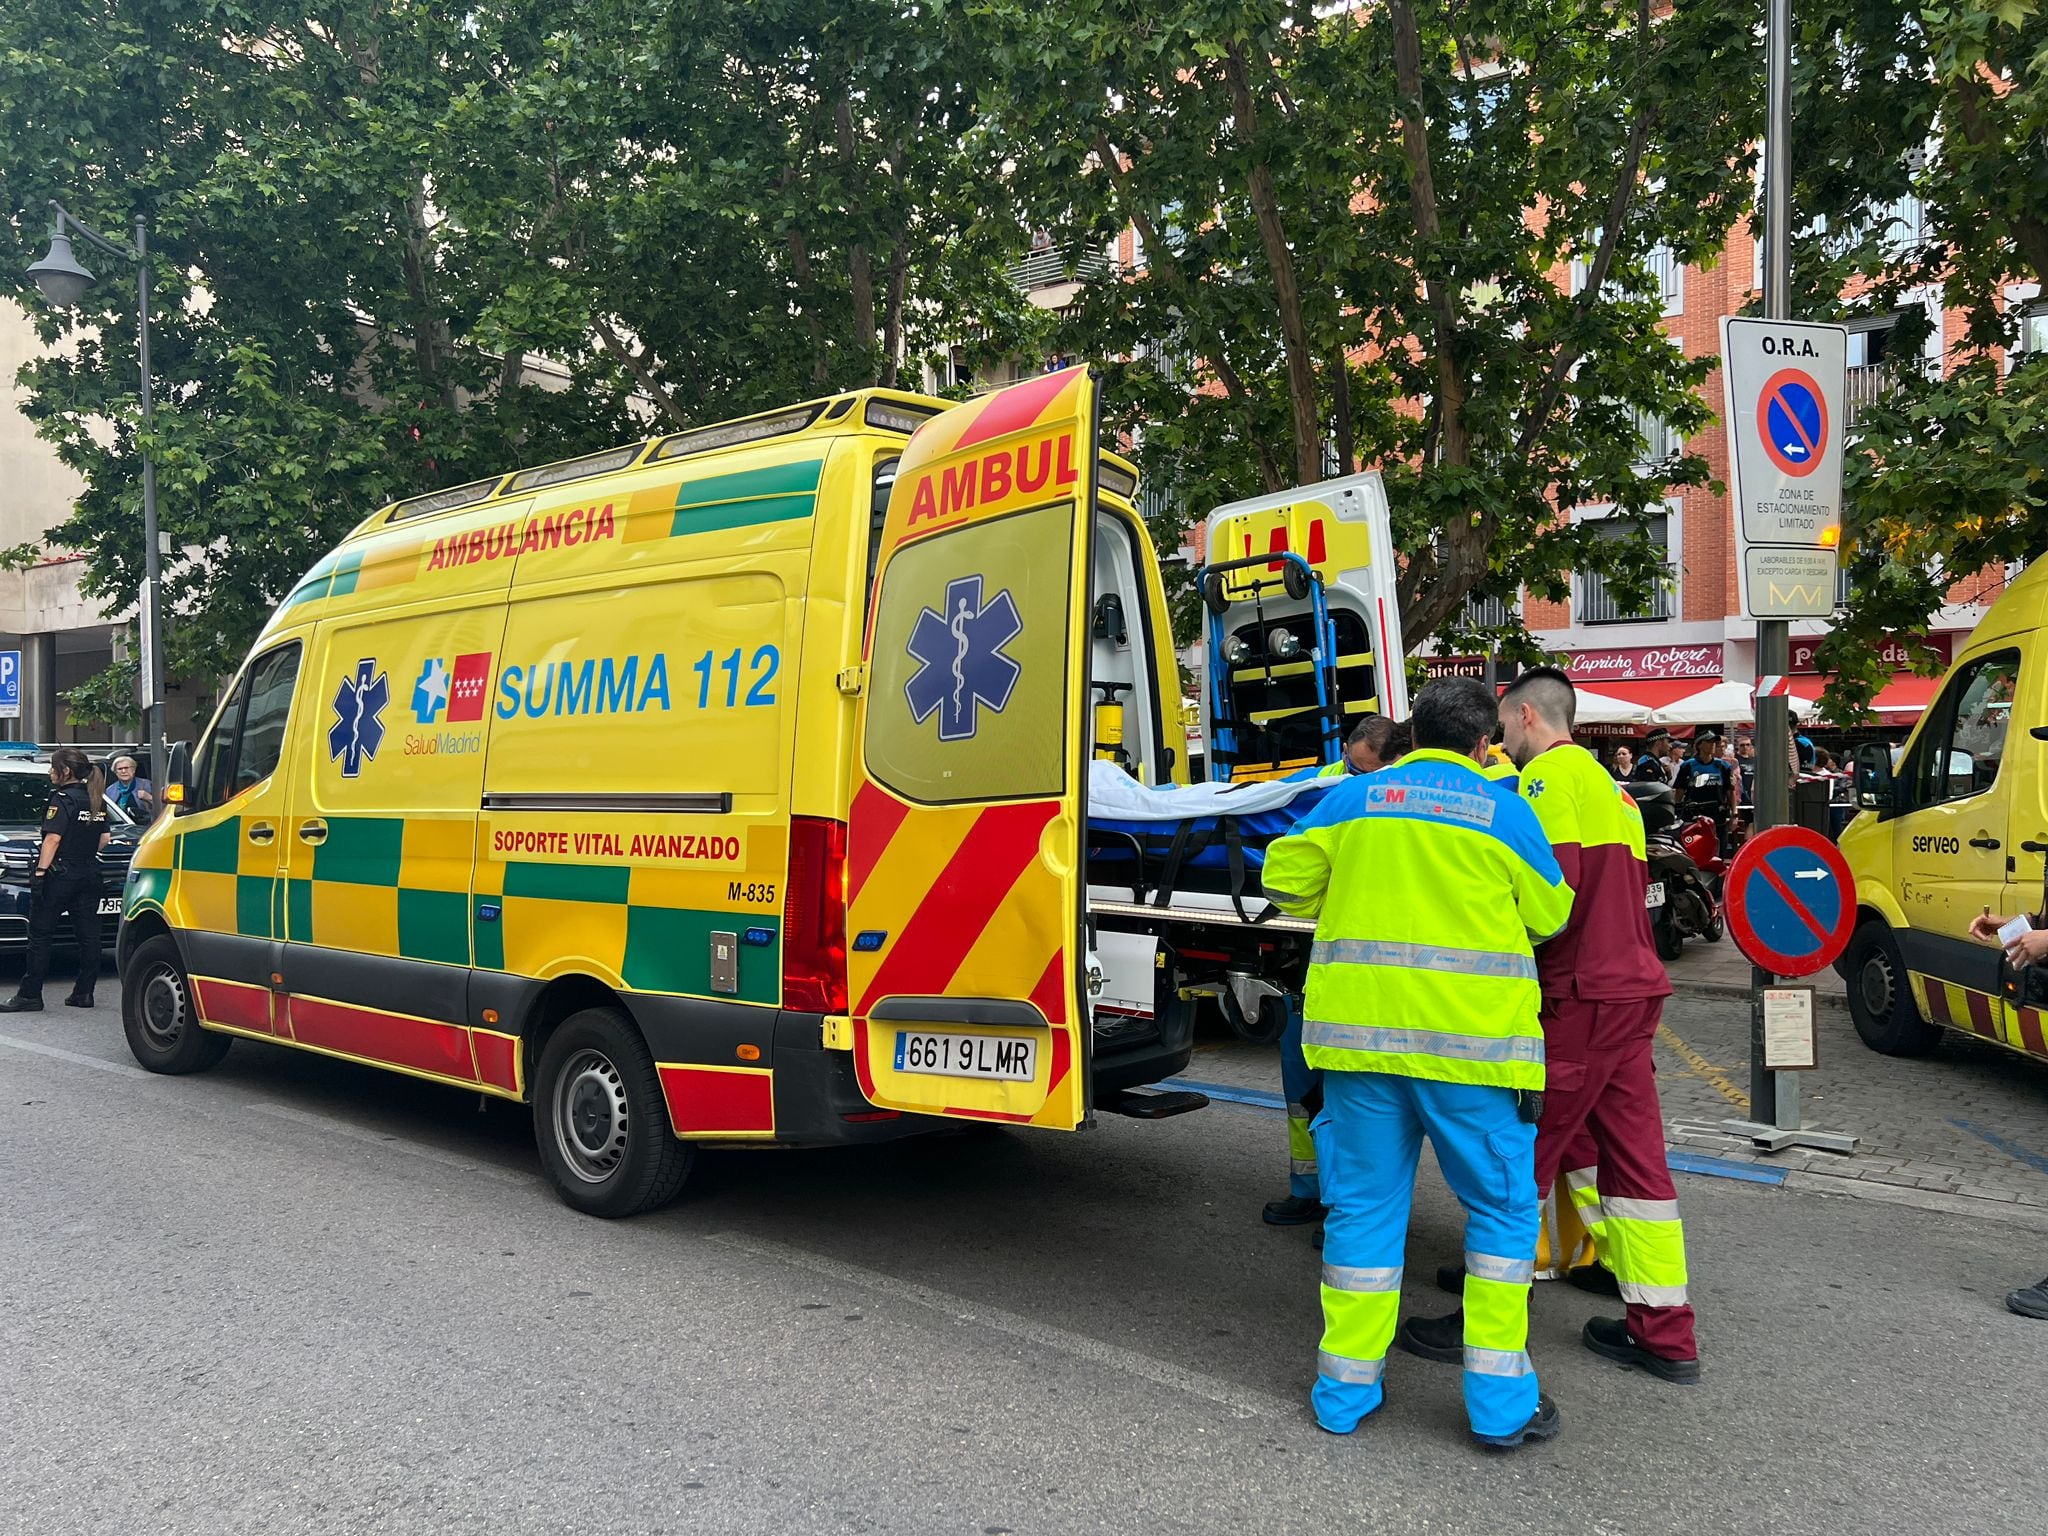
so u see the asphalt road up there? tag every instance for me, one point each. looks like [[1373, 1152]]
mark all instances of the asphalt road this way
[[298, 1295]]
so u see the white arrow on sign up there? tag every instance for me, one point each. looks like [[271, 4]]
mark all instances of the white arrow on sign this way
[[1809, 874]]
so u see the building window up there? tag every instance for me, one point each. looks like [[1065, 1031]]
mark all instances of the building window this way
[[1661, 442], [1483, 612], [1670, 274], [1596, 605]]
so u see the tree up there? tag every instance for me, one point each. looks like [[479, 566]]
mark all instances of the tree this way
[[1939, 112], [1353, 230], [371, 217]]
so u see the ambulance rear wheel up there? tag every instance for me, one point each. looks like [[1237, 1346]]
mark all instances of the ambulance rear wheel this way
[[600, 1119], [1880, 1000], [157, 1015]]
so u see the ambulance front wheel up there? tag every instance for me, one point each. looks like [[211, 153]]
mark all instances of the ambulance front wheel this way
[[157, 1016], [600, 1119]]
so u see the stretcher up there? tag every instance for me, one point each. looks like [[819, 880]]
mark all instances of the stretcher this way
[[1174, 888]]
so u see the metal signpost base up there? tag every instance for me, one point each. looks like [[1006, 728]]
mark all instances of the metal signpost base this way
[[1779, 1090]]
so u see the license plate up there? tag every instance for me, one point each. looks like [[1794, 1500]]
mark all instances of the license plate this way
[[1655, 898], [1011, 1057], [110, 906]]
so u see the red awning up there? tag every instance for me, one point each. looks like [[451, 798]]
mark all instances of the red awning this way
[[1905, 699]]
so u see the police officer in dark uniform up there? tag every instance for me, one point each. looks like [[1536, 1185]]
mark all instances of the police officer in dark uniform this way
[[66, 879]]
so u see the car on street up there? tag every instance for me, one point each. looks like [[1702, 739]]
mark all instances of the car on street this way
[[24, 793]]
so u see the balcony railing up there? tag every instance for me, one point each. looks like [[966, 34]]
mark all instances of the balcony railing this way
[[1049, 266], [1488, 612], [1598, 606], [1866, 386]]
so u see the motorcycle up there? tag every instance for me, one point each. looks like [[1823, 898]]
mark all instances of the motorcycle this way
[[1684, 895]]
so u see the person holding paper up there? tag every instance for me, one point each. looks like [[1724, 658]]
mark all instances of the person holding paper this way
[[2025, 942]]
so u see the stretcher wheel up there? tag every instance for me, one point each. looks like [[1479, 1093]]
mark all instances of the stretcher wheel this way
[[1264, 1029], [1212, 593], [1297, 580]]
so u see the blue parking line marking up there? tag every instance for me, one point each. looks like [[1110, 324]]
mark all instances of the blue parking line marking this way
[[1255, 1097], [2012, 1149], [1723, 1168]]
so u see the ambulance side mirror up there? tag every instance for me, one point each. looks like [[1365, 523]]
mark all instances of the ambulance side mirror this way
[[1876, 789], [177, 777]]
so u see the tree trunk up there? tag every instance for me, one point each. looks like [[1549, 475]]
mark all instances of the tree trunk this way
[[1301, 368], [860, 273], [892, 312], [433, 345], [1450, 385]]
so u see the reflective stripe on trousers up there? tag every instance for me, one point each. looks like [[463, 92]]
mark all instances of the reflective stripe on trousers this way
[[1645, 1246]]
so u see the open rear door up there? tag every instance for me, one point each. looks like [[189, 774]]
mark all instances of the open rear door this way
[[964, 837]]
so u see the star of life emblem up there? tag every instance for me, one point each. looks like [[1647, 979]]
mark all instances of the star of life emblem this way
[[358, 729], [962, 666]]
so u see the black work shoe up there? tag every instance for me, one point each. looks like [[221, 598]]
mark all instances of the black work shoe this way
[[2031, 1302], [1451, 1277], [78, 1000], [1597, 1278], [1434, 1338], [1543, 1424], [1294, 1211], [20, 1004], [1609, 1336]]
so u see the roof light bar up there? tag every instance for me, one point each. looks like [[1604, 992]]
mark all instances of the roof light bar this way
[[732, 433], [897, 416], [574, 469], [445, 501]]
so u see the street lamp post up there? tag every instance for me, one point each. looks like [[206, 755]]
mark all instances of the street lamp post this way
[[64, 281]]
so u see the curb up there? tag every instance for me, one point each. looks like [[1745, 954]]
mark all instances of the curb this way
[[2033, 1218], [1722, 991]]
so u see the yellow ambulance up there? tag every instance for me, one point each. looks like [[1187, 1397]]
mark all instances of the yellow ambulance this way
[[1958, 824], [603, 786]]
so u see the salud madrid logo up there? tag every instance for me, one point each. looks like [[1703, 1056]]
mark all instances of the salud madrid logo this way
[[461, 693], [961, 661], [358, 729]]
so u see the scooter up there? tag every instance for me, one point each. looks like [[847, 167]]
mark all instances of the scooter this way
[[1683, 900]]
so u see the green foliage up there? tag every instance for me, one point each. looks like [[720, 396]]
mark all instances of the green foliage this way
[[1946, 103], [1309, 268], [368, 218]]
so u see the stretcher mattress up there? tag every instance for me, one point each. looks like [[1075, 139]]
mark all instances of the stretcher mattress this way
[[1207, 837]]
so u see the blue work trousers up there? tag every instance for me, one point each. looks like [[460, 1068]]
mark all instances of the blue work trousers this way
[[1298, 1080], [1368, 1141]]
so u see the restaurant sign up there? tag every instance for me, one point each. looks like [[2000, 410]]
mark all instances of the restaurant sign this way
[[1642, 663], [1895, 655]]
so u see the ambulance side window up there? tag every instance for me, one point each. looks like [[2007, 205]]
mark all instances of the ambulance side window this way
[[878, 514], [248, 738]]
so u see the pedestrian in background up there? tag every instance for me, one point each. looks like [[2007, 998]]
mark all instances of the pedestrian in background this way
[[66, 878], [1428, 882], [1704, 787], [1624, 763], [1603, 998], [134, 795], [1650, 767]]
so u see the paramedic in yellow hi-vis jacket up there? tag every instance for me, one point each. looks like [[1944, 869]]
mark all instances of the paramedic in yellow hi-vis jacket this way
[[1364, 752], [1430, 884]]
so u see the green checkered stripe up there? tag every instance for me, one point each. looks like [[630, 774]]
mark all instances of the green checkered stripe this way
[[145, 888], [774, 494], [666, 949], [333, 575]]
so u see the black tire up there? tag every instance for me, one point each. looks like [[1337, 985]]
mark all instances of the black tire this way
[[1670, 942], [157, 1016], [1212, 593], [601, 1121], [1880, 1000], [1264, 1029], [1296, 580]]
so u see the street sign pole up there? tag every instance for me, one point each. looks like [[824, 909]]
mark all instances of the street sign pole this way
[[1774, 1094]]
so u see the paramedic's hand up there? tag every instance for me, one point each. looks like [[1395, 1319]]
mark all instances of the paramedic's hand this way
[[1985, 929], [2029, 948]]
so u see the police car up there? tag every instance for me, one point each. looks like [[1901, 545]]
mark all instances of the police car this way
[[24, 794]]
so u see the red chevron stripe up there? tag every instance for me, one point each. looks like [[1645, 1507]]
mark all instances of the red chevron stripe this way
[[1980, 1014], [1937, 1002], [874, 818], [996, 851], [1014, 409], [1049, 997], [2030, 1030]]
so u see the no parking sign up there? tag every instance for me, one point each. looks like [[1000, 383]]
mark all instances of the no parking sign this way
[[1782, 385], [1791, 901]]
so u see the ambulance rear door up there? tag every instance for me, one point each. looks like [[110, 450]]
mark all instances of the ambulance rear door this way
[[964, 903]]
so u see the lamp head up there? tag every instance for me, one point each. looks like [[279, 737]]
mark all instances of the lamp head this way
[[58, 275]]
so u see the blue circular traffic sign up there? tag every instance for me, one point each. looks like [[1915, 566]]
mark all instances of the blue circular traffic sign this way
[[1791, 901], [1793, 418]]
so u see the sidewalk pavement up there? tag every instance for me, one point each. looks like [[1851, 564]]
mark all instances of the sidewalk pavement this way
[[1964, 1130]]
